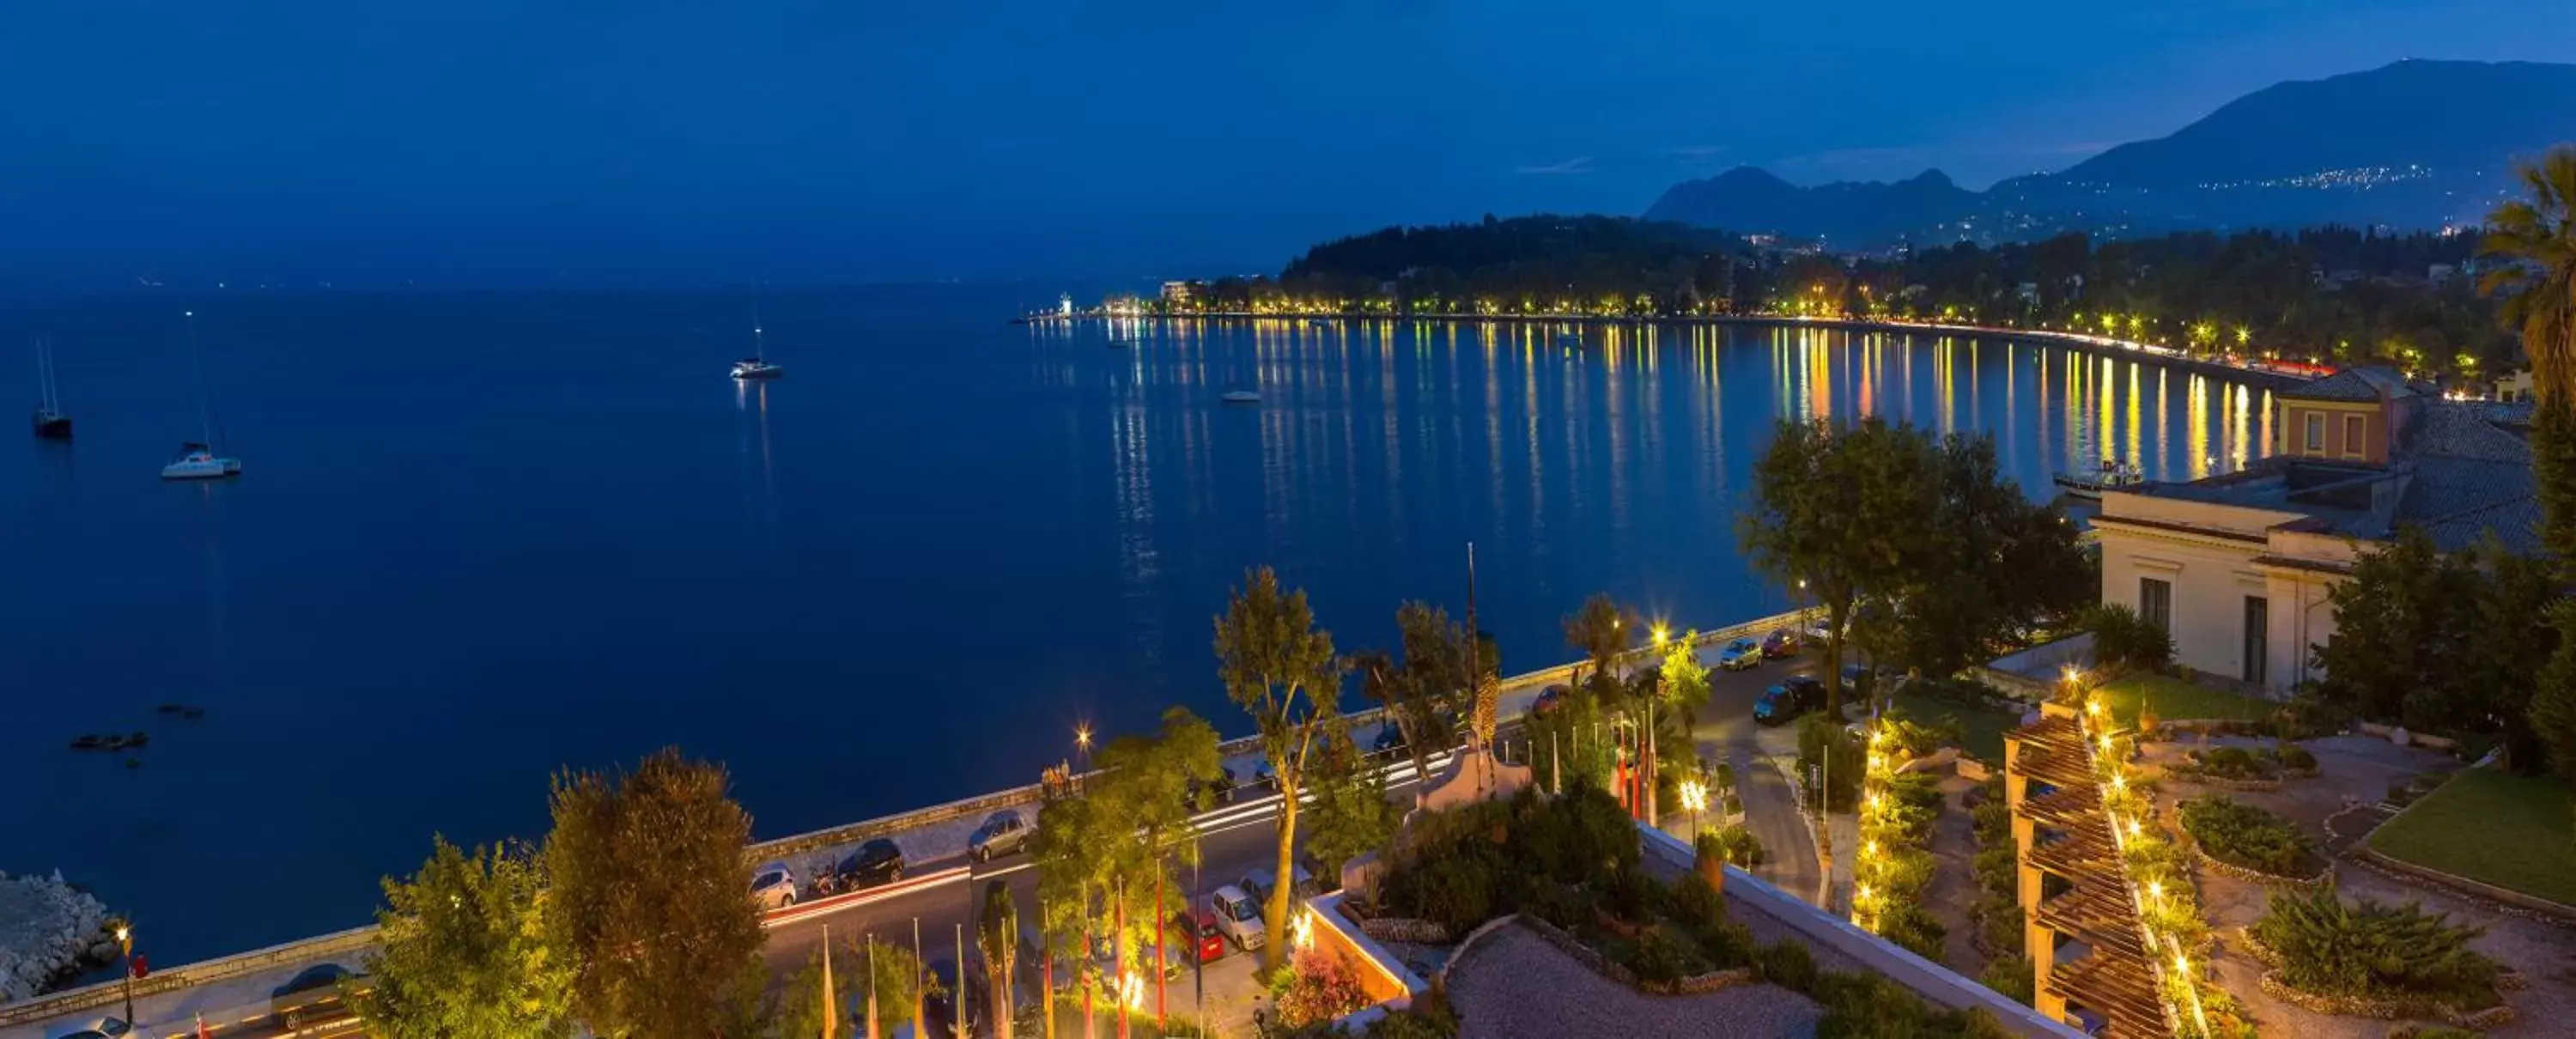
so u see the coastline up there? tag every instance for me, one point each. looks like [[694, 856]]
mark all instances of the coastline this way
[[2260, 377]]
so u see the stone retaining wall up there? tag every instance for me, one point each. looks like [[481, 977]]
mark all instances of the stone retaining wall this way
[[2323, 880], [1401, 929]]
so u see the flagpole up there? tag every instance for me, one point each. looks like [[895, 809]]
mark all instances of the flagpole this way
[[919, 1029], [831, 1020], [959, 1025], [872, 985]]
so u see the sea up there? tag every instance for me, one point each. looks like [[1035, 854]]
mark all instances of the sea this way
[[480, 538]]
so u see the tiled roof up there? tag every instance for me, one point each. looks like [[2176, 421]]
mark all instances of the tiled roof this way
[[2351, 384], [2469, 477]]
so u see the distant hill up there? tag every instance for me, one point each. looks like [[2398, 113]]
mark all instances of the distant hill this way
[[2411, 145]]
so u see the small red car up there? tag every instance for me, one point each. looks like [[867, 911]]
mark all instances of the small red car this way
[[1201, 925], [1781, 643]]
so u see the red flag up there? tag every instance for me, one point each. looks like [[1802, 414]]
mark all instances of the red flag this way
[[201, 1027]]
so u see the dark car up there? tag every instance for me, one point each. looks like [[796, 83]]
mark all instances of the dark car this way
[[1781, 643], [1550, 699], [1783, 703], [1208, 796], [311, 994], [876, 862]]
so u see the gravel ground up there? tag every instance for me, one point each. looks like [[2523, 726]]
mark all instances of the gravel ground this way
[[1513, 984]]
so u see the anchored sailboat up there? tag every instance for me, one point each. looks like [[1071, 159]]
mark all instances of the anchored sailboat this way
[[757, 365], [197, 459], [50, 422]]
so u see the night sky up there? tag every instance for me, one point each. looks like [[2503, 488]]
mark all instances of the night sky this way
[[662, 141]]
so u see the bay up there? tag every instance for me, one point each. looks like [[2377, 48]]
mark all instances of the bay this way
[[483, 536]]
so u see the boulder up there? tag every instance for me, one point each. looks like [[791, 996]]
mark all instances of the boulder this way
[[49, 931]]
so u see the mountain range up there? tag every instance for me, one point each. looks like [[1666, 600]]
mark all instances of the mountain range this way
[[2415, 144]]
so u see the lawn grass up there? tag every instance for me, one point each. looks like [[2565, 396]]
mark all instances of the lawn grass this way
[[2511, 831], [1981, 729], [2174, 698]]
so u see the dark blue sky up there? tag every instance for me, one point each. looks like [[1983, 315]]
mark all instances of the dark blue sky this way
[[582, 141]]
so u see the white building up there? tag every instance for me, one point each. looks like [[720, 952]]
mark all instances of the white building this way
[[2237, 566]]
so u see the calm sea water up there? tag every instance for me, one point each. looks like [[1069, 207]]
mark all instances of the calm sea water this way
[[484, 536]]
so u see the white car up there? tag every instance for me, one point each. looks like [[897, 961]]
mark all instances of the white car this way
[[95, 1028], [1739, 655], [1239, 916], [773, 886], [1818, 631]]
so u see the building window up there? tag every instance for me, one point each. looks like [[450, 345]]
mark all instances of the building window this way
[[2155, 603], [2258, 642], [2352, 427], [2316, 429]]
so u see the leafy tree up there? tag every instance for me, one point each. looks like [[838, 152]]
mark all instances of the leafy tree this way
[[651, 899], [1145, 792], [2401, 635], [1682, 681], [1351, 815], [1602, 632], [1424, 692], [1073, 852], [1283, 672], [1839, 511], [1991, 564], [2510, 639], [798, 1013], [2553, 702], [900, 981], [2535, 237], [462, 952]]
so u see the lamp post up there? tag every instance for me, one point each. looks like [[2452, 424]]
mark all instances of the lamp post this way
[[1082, 746], [125, 948]]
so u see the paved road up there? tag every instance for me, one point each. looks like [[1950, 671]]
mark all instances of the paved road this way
[[1727, 732]]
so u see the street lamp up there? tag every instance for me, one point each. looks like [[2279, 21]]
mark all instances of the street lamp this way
[[1694, 797], [1082, 746], [125, 948]]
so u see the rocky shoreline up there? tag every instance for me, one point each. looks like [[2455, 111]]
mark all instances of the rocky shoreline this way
[[49, 931]]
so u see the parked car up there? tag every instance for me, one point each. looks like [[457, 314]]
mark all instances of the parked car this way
[[773, 885], [876, 862], [1818, 631], [1200, 925], [1549, 699], [1003, 832], [1781, 643], [1783, 703], [312, 992], [1390, 738], [1239, 916], [1739, 655], [1257, 884], [1861, 679], [94, 1028], [1208, 796]]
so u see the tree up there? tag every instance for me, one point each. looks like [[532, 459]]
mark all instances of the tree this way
[[899, 980], [1351, 815], [2401, 634], [1424, 692], [997, 929], [1840, 511], [2535, 237], [1602, 632], [462, 952], [2510, 640], [650, 899], [1074, 851], [1283, 672], [1146, 790], [1990, 564], [2553, 702]]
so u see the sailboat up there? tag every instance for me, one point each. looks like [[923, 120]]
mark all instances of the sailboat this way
[[50, 422], [756, 366], [197, 459]]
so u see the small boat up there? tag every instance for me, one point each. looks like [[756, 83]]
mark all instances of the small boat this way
[[198, 462], [1121, 344], [757, 365], [2112, 475], [1241, 397], [1319, 323], [197, 459], [49, 420]]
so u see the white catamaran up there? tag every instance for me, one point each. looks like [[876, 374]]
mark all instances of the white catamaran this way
[[197, 458]]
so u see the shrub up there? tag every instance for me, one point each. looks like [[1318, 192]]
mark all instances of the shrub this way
[[1913, 930], [2122, 639], [1631, 895], [1455, 891], [1599, 834], [2236, 763], [1788, 965], [2370, 949], [1728, 945], [1696, 903], [1658, 958], [1733, 844], [1818, 738], [1320, 988], [2296, 757], [2246, 836], [2011, 976], [1430, 1017]]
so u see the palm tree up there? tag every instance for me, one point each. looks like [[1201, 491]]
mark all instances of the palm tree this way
[[2537, 236], [2536, 239]]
